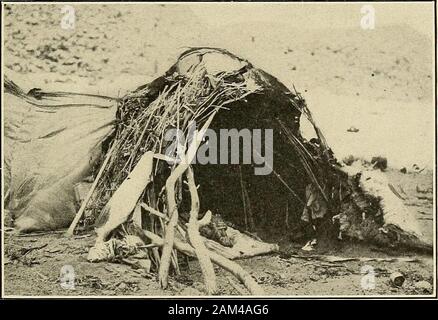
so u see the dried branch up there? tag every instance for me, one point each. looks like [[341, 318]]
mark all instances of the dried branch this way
[[172, 207], [195, 239]]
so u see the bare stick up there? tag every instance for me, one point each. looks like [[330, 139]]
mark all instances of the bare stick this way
[[195, 239], [245, 214], [81, 211], [206, 219], [169, 235], [174, 261], [154, 211], [172, 208], [249, 219], [233, 283]]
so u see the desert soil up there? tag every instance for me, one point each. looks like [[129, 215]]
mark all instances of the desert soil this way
[[350, 77]]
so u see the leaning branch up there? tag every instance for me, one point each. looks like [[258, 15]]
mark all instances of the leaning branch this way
[[195, 239], [124, 200], [172, 207], [81, 211]]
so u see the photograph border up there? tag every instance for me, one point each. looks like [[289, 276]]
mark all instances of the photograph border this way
[[224, 298]]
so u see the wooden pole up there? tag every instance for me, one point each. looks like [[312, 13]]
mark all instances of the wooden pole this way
[[125, 198], [172, 208], [81, 211], [195, 239]]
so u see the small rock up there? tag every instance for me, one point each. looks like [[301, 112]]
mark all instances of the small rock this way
[[353, 129], [314, 278], [379, 163], [349, 160], [404, 170], [17, 68], [62, 46], [310, 245], [18, 36], [423, 285], [421, 189], [54, 250]]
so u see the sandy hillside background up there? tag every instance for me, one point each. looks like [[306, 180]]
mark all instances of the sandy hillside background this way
[[379, 81]]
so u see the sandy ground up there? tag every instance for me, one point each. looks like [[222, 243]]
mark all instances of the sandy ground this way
[[369, 79]]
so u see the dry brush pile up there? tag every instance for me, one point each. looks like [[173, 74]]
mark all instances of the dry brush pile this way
[[145, 198]]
